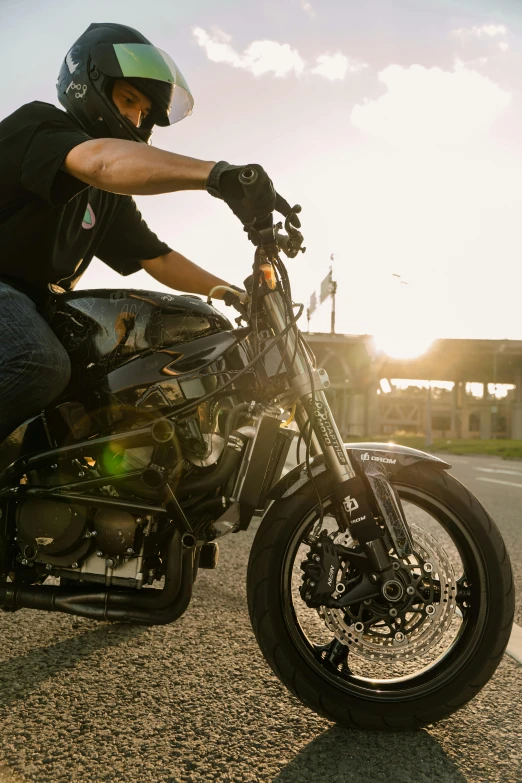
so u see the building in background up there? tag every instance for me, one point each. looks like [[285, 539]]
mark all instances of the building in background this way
[[363, 406]]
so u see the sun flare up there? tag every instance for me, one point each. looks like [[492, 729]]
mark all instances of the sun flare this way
[[402, 346]]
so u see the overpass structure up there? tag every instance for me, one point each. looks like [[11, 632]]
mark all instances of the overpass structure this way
[[355, 369]]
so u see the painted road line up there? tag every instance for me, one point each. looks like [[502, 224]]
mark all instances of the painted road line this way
[[498, 481], [514, 647], [500, 470]]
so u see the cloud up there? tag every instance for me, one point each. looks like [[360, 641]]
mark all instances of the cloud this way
[[262, 57], [336, 66], [307, 8], [484, 31], [431, 106], [259, 57], [265, 56], [477, 41]]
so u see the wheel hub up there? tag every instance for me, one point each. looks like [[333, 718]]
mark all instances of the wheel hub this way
[[393, 590]]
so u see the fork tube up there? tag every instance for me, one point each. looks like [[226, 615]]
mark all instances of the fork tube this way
[[301, 417], [328, 437]]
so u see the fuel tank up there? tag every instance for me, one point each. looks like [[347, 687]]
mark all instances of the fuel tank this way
[[106, 328], [142, 350]]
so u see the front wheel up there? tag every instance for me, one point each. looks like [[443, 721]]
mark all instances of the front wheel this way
[[379, 664]]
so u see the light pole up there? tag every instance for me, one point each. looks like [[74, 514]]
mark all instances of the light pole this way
[[332, 289]]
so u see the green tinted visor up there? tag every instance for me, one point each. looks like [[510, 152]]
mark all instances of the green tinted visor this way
[[144, 61]]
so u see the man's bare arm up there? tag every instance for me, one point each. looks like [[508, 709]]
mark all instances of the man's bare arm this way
[[134, 169], [176, 271]]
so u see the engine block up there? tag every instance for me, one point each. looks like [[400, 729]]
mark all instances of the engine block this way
[[77, 543], [118, 571]]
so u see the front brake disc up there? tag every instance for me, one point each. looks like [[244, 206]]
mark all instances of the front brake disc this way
[[416, 629]]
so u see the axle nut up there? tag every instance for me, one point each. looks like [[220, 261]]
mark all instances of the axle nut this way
[[392, 590]]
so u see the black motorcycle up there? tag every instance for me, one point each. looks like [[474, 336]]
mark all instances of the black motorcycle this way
[[379, 588]]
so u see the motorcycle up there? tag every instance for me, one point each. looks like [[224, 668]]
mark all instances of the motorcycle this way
[[379, 589]]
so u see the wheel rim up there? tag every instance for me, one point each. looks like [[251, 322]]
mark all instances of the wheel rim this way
[[402, 675]]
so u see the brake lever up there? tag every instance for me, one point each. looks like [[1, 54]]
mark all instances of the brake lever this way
[[290, 243]]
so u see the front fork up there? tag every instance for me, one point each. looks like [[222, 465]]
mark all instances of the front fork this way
[[356, 509]]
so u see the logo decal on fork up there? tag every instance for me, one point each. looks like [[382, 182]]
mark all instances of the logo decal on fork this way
[[350, 504]]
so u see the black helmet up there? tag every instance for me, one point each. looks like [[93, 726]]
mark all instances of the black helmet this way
[[106, 52]]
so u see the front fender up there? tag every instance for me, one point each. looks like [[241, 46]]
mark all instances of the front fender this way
[[390, 455]]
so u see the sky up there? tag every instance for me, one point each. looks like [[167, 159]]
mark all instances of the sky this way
[[397, 125]]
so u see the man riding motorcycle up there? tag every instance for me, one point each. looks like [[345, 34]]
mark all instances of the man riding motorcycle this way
[[66, 186], [354, 601]]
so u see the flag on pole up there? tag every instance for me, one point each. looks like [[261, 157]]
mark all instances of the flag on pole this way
[[325, 286]]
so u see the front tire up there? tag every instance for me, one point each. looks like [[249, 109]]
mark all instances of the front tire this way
[[409, 697]]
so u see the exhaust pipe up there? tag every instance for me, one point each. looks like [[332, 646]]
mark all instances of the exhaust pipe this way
[[228, 463], [149, 607]]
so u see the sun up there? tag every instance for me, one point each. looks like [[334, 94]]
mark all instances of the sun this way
[[400, 345]]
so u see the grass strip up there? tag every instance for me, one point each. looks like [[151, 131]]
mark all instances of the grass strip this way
[[507, 449]]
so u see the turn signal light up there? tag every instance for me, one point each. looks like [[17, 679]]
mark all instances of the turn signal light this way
[[268, 275]]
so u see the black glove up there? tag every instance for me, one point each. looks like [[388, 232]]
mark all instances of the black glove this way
[[223, 182], [230, 299]]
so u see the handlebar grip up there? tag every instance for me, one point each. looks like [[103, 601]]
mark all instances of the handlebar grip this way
[[248, 178]]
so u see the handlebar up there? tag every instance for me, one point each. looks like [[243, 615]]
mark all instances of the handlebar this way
[[247, 178], [263, 232]]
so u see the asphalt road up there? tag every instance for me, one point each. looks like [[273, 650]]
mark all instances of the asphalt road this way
[[195, 701]]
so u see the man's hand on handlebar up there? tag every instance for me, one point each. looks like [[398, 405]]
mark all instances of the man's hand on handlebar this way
[[230, 294], [262, 199], [233, 299]]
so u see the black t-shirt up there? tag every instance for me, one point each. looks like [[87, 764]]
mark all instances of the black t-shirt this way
[[52, 224]]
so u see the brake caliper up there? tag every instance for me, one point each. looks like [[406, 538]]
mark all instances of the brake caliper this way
[[320, 572]]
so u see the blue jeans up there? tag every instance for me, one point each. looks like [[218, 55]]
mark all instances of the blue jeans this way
[[34, 366]]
